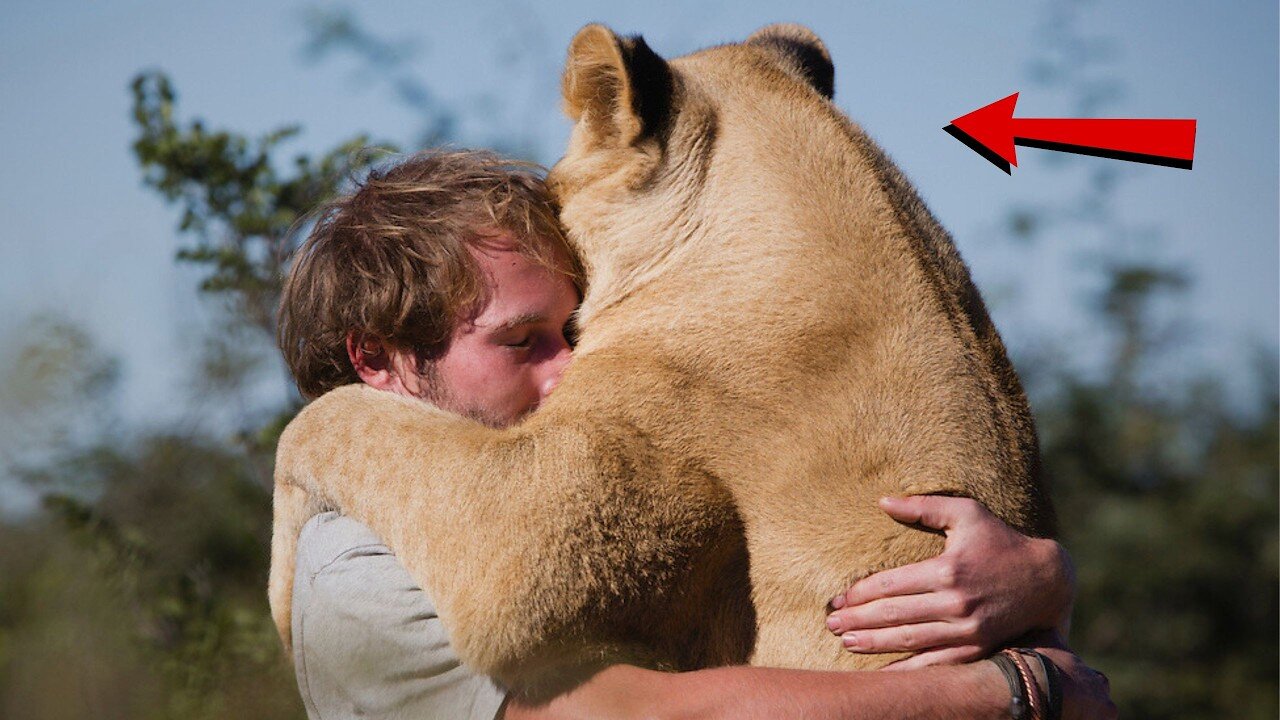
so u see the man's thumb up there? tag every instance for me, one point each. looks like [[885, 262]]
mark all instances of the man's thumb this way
[[932, 511]]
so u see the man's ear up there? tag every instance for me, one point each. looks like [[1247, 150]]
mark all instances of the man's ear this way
[[616, 88], [802, 53], [371, 359]]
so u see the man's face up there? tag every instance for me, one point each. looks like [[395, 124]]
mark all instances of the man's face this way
[[502, 362]]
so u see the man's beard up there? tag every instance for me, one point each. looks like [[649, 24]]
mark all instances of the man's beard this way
[[438, 394]]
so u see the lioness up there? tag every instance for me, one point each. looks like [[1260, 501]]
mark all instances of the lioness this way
[[772, 317]]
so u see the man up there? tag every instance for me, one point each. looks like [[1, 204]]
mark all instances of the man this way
[[447, 278]]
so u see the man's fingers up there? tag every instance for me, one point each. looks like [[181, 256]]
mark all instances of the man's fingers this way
[[922, 577], [939, 512], [906, 610], [933, 511], [901, 638], [942, 656]]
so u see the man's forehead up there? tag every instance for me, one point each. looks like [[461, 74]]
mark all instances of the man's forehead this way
[[496, 242], [492, 240], [504, 309]]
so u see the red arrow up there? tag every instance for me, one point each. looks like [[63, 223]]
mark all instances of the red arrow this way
[[993, 131]]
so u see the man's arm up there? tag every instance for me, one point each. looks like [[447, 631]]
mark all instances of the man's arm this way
[[745, 693], [972, 691]]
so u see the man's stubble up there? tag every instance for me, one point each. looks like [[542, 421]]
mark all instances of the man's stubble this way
[[439, 394]]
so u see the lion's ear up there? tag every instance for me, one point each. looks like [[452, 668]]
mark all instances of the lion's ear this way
[[618, 88], [801, 52]]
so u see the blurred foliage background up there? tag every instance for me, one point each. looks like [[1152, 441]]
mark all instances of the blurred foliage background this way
[[140, 590]]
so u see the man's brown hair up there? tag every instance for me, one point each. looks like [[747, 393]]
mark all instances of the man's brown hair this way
[[392, 259]]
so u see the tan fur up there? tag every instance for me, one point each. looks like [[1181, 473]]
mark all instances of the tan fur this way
[[776, 334]]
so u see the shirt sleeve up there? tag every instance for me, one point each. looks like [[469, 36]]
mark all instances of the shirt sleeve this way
[[367, 640]]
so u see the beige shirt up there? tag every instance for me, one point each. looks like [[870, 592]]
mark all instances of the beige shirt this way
[[366, 639]]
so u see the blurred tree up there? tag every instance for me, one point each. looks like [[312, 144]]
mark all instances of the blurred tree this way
[[242, 212], [164, 537], [1167, 490], [176, 546], [55, 393], [1169, 505], [137, 593]]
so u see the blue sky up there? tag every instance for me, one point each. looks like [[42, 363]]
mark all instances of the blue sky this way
[[83, 237]]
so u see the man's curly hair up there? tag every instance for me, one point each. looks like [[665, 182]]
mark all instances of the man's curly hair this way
[[392, 259]]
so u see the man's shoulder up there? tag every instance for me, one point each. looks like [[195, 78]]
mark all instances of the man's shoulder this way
[[330, 537], [344, 570], [367, 640]]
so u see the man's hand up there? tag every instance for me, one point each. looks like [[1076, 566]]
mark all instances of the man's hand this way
[[990, 585], [1086, 692]]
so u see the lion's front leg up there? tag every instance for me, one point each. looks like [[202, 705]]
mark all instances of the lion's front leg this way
[[291, 508], [454, 500], [561, 539], [364, 451], [318, 467]]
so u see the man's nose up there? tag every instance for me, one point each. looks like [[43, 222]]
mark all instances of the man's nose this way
[[555, 368]]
